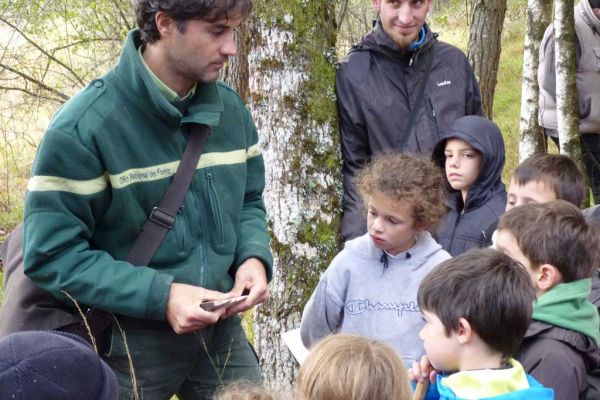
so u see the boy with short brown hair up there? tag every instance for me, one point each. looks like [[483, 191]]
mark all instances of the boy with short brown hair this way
[[477, 307], [560, 250]]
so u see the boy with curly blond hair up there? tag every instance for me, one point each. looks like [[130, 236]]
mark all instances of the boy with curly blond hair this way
[[370, 288]]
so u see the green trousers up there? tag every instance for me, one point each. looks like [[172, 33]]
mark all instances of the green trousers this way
[[192, 366]]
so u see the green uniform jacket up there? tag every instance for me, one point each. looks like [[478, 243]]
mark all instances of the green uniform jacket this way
[[106, 160]]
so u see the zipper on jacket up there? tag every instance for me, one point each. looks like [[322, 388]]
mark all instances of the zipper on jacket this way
[[202, 236], [432, 110], [434, 116], [214, 205], [454, 232]]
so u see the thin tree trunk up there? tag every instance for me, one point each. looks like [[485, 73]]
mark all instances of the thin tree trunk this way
[[487, 19], [291, 96], [235, 72], [531, 133], [567, 104]]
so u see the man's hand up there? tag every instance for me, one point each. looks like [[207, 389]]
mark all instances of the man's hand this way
[[183, 308], [422, 370], [250, 275]]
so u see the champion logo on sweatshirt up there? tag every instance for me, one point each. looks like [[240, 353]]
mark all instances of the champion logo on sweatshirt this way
[[444, 83], [354, 307]]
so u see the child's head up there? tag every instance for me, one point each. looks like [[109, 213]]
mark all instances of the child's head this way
[[476, 304], [245, 391], [471, 151], [546, 177], [553, 241], [342, 367], [53, 365], [404, 194], [462, 164]]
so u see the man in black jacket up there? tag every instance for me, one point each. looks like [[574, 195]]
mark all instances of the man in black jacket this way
[[377, 87]]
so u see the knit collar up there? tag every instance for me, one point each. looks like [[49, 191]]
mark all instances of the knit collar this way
[[204, 107], [386, 44], [486, 383], [566, 305]]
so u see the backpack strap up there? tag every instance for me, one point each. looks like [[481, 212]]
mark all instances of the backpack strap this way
[[420, 96]]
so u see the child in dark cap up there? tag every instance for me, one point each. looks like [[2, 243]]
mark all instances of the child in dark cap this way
[[48, 365]]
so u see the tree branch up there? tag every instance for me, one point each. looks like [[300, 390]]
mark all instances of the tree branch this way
[[44, 52], [33, 94], [35, 82]]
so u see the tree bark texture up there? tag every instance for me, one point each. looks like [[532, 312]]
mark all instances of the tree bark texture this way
[[291, 96], [235, 72], [567, 104], [487, 19], [539, 16]]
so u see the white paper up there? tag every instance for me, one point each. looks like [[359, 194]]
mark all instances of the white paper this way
[[293, 341]]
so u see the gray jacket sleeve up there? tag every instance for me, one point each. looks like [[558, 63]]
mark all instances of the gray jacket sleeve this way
[[355, 152], [547, 69], [322, 315]]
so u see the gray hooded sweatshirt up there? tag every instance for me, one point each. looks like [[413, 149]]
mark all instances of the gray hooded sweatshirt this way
[[362, 293]]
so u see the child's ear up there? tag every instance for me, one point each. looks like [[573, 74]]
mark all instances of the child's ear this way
[[464, 332], [547, 276], [421, 227]]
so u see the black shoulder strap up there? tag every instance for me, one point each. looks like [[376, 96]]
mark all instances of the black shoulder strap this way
[[415, 110], [163, 216]]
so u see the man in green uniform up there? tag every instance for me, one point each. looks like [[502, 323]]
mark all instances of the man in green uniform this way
[[107, 159]]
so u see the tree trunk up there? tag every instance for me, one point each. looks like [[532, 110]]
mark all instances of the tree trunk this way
[[235, 72], [531, 133], [291, 96], [567, 104], [487, 18]]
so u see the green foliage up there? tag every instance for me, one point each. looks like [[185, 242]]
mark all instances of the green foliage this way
[[507, 98], [51, 49]]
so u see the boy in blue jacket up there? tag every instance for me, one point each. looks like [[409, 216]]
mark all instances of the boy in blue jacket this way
[[476, 307]]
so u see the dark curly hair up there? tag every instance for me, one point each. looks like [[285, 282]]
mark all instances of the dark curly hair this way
[[407, 178], [183, 10]]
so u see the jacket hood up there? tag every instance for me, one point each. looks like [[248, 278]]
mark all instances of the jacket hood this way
[[485, 137], [584, 9], [583, 344], [567, 306], [414, 257], [379, 41]]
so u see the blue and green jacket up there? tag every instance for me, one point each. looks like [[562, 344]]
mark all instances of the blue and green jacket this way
[[107, 159], [489, 384]]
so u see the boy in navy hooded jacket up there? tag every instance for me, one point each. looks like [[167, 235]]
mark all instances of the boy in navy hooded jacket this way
[[471, 152]]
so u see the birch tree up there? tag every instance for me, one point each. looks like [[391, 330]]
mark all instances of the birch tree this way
[[486, 20], [531, 133], [291, 59], [567, 105]]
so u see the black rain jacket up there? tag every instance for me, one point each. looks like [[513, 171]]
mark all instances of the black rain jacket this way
[[471, 224], [377, 85]]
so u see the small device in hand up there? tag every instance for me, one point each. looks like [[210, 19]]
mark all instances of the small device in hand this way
[[213, 305]]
